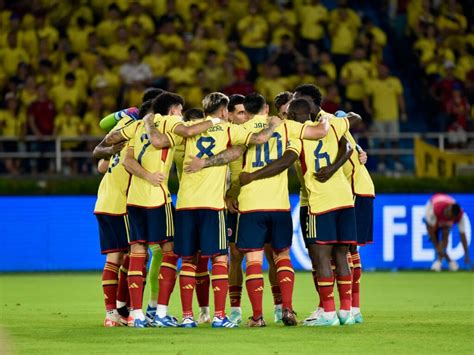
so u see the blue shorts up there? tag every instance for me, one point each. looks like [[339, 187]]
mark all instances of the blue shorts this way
[[364, 211], [151, 225], [113, 232], [255, 229], [334, 227], [304, 220], [200, 229], [231, 222]]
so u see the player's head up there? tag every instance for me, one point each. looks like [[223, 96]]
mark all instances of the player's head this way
[[310, 92], [168, 103], [236, 108], [282, 101], [255, 104], [300, 110], [193, 114], [151, 93], [452, 211], [145, 108], [215, 105], [383, 70]]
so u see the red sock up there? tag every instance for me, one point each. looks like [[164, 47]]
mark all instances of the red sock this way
[[220, 285], [187, 283], [202, 282], [135, 279], [167, 277], [326, 293], [254, 284], [122, 291], [144, 273], [109, 284], [235, 295], [344, 287], [286, 279], [357, 273]]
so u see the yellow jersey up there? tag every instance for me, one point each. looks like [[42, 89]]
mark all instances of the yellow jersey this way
[[357, 174], [385, 98], [141, 192], [206, 188], [235, 168], [269, 194], [112, 194], [335, 193]]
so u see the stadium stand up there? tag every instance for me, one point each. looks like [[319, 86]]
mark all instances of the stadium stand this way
[[64, 65]]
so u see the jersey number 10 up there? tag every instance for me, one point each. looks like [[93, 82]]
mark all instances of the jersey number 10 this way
[[266, 151]]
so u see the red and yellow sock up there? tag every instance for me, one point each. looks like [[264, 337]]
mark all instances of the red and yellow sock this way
[[344, 287], [315, 280], [187, 283], [220, 286], [254, 285], [109, 285], [286, 279], [235, 295], [135, 279], [202, 282], [356, 275], [276, 293], [122, 290], [326, 293], [167, 277]]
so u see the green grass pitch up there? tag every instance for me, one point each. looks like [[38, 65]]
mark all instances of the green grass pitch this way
[[405, 312]]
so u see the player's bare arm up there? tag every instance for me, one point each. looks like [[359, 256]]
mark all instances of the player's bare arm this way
[[362, 154], [102, 166], [265, 134], [230, 154], [353, 118], [114, 137], [343, 154], [105, 151], [318, 131], [133, 167], [157, 139], [272, 169]]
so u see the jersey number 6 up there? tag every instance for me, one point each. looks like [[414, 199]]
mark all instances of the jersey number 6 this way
[[318, 155]]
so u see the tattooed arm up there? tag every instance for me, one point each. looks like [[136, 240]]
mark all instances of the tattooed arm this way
[[224, 157]]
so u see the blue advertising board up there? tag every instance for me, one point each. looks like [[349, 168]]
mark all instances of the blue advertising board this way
[[51, 233]]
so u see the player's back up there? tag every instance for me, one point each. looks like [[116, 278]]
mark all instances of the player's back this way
[[269, 194], [112, 194], [335, 193], [356, 172], [141, 192], [206, 188]]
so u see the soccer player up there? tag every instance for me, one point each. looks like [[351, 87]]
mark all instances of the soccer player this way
[[264, 207], [442, 212], [364, 194], [111, 213], [149, 201], [200, 221], [282, 100], [331, 221], [238, 115]]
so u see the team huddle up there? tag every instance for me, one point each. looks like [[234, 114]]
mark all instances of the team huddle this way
[[233, 203]]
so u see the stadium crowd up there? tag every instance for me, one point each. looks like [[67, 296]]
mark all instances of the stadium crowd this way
[[66, 64]]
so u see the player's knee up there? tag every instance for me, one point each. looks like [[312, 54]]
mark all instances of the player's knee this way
[[254, 256], [219, 259], [115, 258], [167, 247], [138, 248]]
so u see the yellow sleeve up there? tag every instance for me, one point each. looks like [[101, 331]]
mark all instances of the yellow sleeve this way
[[369, 87], [173, 122], [239, 135], [295, 145], [295, 129], [131, 141], [340, 126], [129, 129], [345, 71], [174, 139]]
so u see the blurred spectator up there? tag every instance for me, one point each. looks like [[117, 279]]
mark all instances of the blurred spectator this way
[[458, 109], [332, 100], [253, 31], [134, 71], [12, 55], [68, 91], [12, 125], [213, 72], [41, 113], [386, 107], [313, 16], [286, 56]]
